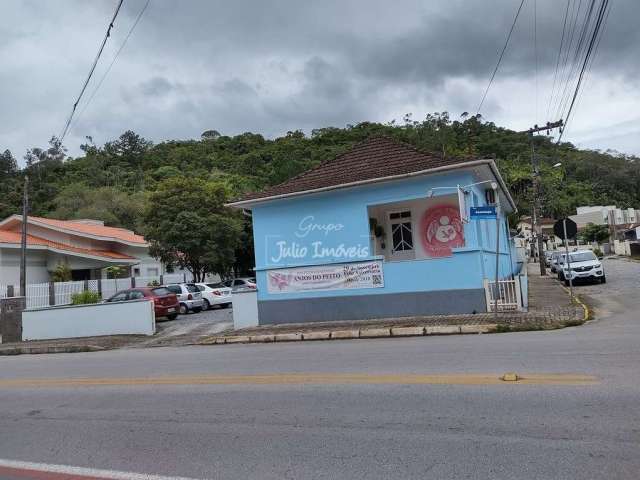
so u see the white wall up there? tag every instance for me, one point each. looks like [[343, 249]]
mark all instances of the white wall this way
[[10, 267], [122, 318]]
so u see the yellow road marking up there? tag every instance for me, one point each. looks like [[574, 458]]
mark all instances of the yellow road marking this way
[[311, 379]]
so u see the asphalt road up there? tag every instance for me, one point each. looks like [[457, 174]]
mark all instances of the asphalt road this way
[[228, 412]]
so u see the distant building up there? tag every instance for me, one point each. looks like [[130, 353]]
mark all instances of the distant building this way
[[87, 247]]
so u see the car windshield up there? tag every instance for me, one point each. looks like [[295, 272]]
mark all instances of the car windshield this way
[[215, 285], [160, 291], [582, 257], [252, 280], [191, 288]]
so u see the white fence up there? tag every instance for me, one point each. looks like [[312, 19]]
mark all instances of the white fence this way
[[41, 295], [508, 292]]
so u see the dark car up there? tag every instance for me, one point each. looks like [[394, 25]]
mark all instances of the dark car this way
[[165, 303]]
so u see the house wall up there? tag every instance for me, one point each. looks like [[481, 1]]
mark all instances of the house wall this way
[[10, 267], [285, 236]]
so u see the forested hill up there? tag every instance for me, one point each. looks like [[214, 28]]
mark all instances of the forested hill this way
[[114, 181]]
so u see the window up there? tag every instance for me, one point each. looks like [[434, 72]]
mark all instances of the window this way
[[175, 289], [191, 288], [136, 295], [119, 297], [238, 282], [401, 231], [200, 287], [136, 272], [160, 292]]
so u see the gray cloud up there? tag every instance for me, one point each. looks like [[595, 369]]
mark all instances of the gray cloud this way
[[279, 65]]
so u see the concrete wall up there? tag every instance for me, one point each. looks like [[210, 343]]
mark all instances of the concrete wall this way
[[122, 318], [10, 267]]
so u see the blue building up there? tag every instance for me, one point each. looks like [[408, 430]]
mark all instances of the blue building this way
[[382, 230]]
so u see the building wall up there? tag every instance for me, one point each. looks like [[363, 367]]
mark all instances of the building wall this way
[[290, 233], [10, 267]]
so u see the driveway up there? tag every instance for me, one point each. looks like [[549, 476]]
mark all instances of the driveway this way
[[187, 329]]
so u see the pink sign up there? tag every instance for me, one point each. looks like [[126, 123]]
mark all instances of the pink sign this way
[[441, 230]]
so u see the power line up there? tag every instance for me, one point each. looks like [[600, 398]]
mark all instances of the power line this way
[[93, 67], [93, 94], [590, 51], [506, 44], [555, 75], [535, 47]]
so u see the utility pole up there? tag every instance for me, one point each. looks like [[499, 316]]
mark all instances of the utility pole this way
[[23, 242], [537, 206]]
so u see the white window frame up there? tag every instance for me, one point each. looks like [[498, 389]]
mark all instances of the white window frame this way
[[400, 254]]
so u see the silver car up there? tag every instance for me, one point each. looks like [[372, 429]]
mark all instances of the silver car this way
[[241, 284], [189, 296]]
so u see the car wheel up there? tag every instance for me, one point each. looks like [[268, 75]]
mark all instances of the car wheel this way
[[225, 305], [183, 309], [603, 279], [173, 316], [561, 277], [566, 282], [197, 310], [206, 305]]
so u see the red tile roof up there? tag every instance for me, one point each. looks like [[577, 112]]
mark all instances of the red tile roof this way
[[95, 230], [375, 158], [7, 236]]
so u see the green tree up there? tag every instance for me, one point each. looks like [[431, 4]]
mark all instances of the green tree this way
[[594, 233], [188, 225]]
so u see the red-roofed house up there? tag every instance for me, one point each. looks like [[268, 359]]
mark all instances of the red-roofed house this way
[[86, 246]]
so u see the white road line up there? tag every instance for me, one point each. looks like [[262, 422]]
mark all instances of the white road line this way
[[87, 472]]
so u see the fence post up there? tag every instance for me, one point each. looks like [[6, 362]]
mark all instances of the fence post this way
[[52, 294], [100, 287], [10, 290], [133, 282], [487, 294], [184, 277], [86, 285], [518, 294], [161, 279]]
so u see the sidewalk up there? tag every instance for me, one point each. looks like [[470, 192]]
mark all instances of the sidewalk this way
[[550, 307]]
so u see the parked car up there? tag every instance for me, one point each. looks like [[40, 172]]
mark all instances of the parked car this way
[[553, 264], [188, 295], [584, 266], [240, 284], [165, 303], [214, 294]]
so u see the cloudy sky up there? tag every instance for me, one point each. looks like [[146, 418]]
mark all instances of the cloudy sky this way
[[277, 65]]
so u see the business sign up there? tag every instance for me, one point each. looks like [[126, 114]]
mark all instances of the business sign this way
[[483, 213], [441, 230], [326, 277]]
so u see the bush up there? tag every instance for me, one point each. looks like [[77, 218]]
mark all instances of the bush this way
[[62, 273], [84, 298], [153, 283], [598, 253]]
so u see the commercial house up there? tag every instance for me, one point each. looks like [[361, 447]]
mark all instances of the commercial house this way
[[380, 231], [87, 247]]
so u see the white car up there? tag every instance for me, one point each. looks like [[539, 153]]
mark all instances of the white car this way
[[584, 266], [214, 294], [188, 295], [241, 284]]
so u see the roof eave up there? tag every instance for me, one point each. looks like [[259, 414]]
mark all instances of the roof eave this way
[[457, 166]]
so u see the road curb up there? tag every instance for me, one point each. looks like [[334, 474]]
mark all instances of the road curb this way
[[352, 334], [585, 308], [30, 350]]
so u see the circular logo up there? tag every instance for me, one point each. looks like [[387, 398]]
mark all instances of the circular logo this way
[[441, 230]]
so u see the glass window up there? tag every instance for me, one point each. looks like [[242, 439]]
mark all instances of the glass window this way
[[119, 297], [582, 257], [135, 295], [238, 282], [161, 291], [175, 289], [200, 287], [136, 272], [401, 231], [215, 285], [191, 288]]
